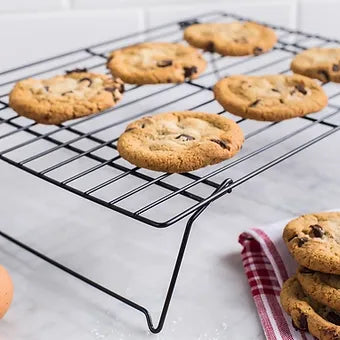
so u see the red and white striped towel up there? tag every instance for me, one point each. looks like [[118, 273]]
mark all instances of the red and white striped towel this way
[[267, 265]]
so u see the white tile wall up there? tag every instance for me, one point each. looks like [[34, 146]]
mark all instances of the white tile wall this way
[[320, 16], [275, 12], [52, 20], [67, 30]]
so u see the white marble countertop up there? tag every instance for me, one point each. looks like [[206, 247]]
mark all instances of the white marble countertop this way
[[212, 298]]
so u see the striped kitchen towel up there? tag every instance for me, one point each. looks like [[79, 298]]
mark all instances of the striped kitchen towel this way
[[267, 265]]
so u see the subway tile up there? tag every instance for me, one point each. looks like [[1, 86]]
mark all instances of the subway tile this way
[[48, 34], [275, 12]]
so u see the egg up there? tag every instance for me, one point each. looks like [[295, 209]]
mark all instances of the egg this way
[[6, 291]]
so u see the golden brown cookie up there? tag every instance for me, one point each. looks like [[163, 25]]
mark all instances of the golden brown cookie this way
[[272, 97], [319, 63], [180, 141], [76, 94], [314, 241], [307, 314], [156, 62], [235, 39], [322, 287]]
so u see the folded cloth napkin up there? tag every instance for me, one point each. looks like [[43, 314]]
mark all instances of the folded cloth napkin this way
[[267, 264]]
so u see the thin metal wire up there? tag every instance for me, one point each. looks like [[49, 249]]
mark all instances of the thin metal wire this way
[[236, 162], [253, 174], [77, 122], [197, 202], [13, 132], [134, 171], [110, 41], [58, 67], [98, 159]]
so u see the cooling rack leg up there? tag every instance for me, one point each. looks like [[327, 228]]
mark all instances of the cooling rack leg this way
[[152, 328], [178, 263]]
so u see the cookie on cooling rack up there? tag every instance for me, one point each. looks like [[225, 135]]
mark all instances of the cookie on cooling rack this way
[[76, 94], [271, 98], [319, 63], [322, 287], [177, 142], [314, 241], [309, 315], [234, 39], [156, 62]]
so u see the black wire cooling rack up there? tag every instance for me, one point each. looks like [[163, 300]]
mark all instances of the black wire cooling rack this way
[[81, 156]]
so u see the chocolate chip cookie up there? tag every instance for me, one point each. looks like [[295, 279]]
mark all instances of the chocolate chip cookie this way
[[322, 287], [307, 314], [76, 94], [314, 241], [319, 63], [177, 142], [234, 39], [271, 98], [156, 62]]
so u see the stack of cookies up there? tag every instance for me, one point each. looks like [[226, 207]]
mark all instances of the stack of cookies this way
[[183, 141], [312, 296]]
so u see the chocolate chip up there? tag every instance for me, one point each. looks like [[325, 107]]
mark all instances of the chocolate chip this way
[[109, 89], [46, 88], [325, 75], [301, 89], [63, 94], [333, 318], [142, 126], [189, 71], [210, 47], [164, 63], [303, 324], [292, 92], [77, 70], [304, 270], [220, 143], [253, 104], [121, 88], [257, 51], [275, 90], [168, 80], [316, 231], [281, 101], [335, 68], [185, 137], [86, 79], [302, 241]]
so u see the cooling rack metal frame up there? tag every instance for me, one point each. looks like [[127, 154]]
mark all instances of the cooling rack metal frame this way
[[290, 42]]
